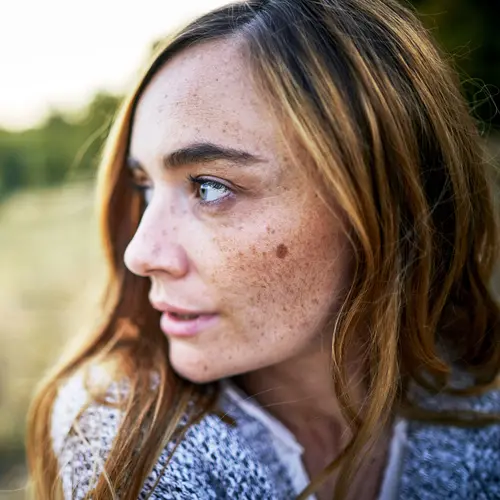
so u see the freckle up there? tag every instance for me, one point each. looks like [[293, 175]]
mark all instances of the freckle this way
[[281, 251], [205, 368], [163, 232]]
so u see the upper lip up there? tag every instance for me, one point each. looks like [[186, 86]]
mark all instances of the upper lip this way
[[163, 306]]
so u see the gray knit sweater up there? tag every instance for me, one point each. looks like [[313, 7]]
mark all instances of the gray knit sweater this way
[[218, 461]]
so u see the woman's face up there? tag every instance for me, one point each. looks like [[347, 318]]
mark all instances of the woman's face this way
[[232, 234]]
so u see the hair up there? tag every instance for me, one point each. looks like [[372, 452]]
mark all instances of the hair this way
[[363, 91]]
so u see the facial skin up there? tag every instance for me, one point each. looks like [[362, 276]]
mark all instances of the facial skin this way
[[268, 257]]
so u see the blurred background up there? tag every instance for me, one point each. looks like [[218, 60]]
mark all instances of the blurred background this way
[[63, 67]]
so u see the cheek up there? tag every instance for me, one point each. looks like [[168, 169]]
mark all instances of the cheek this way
[[275, 286], [280, 280]]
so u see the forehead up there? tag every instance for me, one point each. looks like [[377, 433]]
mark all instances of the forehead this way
[[204, 93]]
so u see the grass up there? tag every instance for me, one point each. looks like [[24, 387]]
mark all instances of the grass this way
[[51, 275]]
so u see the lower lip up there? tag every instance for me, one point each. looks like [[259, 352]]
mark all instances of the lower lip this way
[[171, 325]]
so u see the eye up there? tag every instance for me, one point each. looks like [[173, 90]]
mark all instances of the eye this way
[[140, 182], [148, 194], [210, 191]]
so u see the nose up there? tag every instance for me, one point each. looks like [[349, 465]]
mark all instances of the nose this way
[[155, 247]]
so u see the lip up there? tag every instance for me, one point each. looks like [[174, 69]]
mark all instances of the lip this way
[[170, 325]]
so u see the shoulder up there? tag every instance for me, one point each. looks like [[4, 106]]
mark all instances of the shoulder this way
[[229, 466], [82, 433], [453, 461], [213, 460]]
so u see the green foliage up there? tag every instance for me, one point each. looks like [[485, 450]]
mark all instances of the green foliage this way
[[68, 146], [63, 147], [468, 31]]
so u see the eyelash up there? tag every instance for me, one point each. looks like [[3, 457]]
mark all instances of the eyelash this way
[[140, 188], [199, 181], [195, 181]]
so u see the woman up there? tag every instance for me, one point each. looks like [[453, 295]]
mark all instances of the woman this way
[[298, 301]]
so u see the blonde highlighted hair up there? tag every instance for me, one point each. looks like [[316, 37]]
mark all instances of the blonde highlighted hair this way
[[364, 93]]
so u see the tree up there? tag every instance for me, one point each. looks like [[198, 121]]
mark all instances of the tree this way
[[64, 146], [467, 29]]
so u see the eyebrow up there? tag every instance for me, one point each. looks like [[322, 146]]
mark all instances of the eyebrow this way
[[202, 152]]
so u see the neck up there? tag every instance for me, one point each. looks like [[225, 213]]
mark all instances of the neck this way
[[300, 390], [300, 393]]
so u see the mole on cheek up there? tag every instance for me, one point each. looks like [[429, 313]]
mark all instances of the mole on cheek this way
[[281, 251]]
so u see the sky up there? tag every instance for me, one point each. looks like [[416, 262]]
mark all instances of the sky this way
[[56, 54]]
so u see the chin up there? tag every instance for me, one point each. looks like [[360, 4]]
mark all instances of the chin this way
[[196, 377], [196, 367]]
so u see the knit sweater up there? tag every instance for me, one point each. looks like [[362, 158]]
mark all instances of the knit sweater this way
[[216, 460]]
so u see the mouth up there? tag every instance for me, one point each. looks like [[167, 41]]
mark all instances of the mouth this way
[[183, 317], [176, 321], [186, 325]]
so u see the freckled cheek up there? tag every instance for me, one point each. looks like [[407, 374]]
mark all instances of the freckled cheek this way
[[280, 272], [251, 277]]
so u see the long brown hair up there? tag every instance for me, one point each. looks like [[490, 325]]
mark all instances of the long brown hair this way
[[363, 91]]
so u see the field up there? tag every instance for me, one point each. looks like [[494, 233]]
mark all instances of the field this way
[[50, 280], [51, 275]]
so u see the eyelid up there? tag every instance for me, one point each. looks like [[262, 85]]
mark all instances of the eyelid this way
[[200, 180], [139, 178]]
